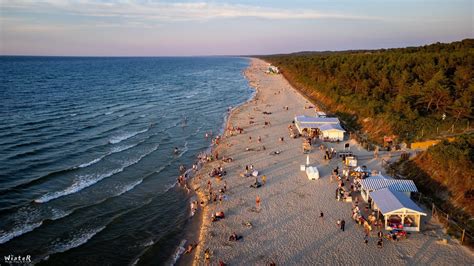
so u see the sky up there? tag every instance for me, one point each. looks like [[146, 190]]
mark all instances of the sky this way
[[233, 27]]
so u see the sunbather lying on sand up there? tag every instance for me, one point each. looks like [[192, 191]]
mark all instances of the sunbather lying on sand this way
[[247, 224], [234, 237]]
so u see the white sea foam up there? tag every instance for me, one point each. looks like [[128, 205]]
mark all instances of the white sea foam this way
[[88, 180], [118, 139], [17, 231], [78, 240], [179, 251], [59, 214], [148, 243], [112, 151], [129, 187], [91, 162], [122, 148], [78, 185]]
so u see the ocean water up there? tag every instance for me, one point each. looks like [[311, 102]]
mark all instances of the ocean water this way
[[87, 168]]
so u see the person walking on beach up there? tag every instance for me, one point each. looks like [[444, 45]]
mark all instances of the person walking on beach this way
[[366, 239], [321, 215], [259, 139], [257, 202], [207, 256], [343, 225]]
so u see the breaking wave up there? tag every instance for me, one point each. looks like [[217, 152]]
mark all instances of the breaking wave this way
[[118, 139], [88, 180], [78, 240]]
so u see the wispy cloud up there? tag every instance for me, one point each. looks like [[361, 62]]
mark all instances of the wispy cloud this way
[[151, 12]]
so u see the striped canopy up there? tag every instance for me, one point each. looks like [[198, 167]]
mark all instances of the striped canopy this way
[[401, 185]]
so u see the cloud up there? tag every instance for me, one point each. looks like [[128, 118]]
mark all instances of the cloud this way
[[151, 12]]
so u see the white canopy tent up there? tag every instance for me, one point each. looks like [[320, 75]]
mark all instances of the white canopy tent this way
[[395, 204], [328, 126]]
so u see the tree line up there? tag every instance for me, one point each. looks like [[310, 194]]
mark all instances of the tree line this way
[[413, 93]]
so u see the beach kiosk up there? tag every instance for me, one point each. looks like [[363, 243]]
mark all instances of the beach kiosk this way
[[374, 183], [398, 210], [332, 132], [307, 123]]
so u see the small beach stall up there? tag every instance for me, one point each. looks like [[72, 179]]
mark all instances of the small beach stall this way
[[398, 210], [374, 183]]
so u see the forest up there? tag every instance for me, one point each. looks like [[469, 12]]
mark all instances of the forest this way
[[414, 93]]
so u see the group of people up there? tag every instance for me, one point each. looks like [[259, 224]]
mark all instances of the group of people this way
[[218, 196], [328, 153], [218, 172]]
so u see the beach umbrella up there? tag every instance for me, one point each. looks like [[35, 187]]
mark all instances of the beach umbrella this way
[[307, 159]]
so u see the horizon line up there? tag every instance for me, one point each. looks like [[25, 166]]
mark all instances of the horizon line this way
[[236, 55]]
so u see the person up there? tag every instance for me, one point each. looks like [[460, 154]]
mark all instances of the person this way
[[176, 150], [190, 248], [343, 225], [264, 179], [366, 239], [225, 186], [380, 234], [207, 256], [234, 237], [259, 139], [220, 198], [338, 222], [257, 202], [321, 215], [380, 243]]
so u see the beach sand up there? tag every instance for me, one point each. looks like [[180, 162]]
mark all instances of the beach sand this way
[[287, 229]]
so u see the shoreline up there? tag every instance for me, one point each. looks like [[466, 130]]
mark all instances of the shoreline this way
[[193, 232], [285, 228]]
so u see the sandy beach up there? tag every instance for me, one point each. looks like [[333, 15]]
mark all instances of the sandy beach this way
[[286, 227]]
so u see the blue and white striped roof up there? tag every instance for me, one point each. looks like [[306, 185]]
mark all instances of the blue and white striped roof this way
[[401, 185], [390, 201]]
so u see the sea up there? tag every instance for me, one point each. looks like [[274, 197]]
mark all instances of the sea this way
[[87, 163]]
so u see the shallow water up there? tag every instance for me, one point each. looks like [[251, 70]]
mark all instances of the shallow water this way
[[86, 152]]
